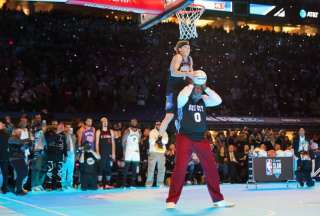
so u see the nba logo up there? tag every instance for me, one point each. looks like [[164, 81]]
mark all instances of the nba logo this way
[[269, 169]]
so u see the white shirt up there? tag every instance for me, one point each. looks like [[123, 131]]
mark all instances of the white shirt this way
[[303, 144], [71, 149], [232, 157], [39, 140], [24, 134]]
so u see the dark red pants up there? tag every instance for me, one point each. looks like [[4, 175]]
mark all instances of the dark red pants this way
[[184, 149]]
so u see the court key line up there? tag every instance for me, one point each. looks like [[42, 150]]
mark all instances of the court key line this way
[[34, 206]]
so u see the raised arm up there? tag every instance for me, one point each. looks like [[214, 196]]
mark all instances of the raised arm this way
[[211, 98], [165, 139], [184, 95]]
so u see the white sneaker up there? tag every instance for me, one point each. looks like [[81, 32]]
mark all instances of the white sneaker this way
[[223, 204], [171, 205], [36, 189]]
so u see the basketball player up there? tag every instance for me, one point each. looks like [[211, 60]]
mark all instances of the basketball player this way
[[181, 67], [130, 141], [86, 134], [191, 126], [105, 147]]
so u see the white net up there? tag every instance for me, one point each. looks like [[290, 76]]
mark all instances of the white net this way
[[188, 18]]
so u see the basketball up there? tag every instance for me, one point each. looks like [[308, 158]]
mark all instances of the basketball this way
[[199, 78]]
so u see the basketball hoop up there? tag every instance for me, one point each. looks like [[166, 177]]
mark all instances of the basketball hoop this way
[[188, 18]]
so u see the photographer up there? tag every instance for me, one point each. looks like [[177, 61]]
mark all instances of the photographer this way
[[157, 151]]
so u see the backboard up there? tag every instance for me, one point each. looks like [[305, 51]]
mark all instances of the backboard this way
[[170, 8]]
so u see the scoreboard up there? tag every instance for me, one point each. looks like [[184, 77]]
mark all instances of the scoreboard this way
[[289, 11]]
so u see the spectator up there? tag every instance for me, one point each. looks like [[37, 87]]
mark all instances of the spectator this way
[[56, 154], [87, 134], [144, 151], [300, 143], [233, 164], [4, 157], [17, 159], [243, 163], [282, 139], [9, 125], [278, 151], [131, 139], [157, 149], [106, 148], [304, 170], [194, 168], [69, 162], [222, 160], [289, 152], [170, 161], [89, 168], [119, 165], [39, 157]]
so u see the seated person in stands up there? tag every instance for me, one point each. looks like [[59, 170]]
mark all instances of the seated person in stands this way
[[289, 152], [271, 153], [194, 168], [170, 159], [260, 151], [278, 151], [305, 167]]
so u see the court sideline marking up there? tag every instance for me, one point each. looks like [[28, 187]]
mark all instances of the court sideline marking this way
[[34, 206]]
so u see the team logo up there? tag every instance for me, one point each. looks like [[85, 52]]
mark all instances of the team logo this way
[[90, 161], [273, 167]]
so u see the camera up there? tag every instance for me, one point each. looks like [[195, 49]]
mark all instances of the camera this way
[[159, 142]]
